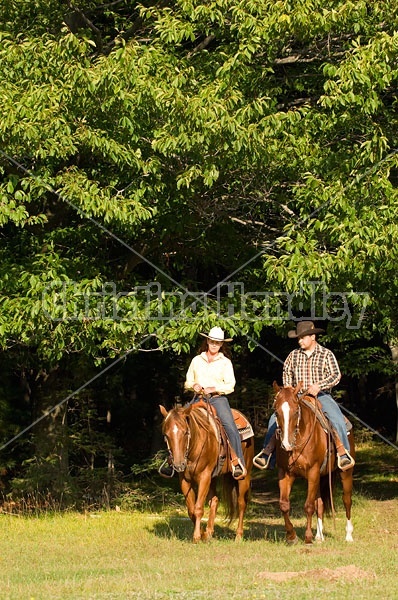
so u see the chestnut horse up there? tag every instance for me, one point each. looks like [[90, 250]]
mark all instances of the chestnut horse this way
[[193, 441], [304, 449]]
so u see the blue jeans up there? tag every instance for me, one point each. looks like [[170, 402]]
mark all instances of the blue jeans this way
[[330, 408], [272, 427], [226, 417]]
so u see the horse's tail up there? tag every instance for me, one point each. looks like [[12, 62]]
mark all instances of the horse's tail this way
[[326, 487], [230, 496]]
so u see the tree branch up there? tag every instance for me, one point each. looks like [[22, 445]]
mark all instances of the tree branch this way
[[86, 21], [202, 45], [254, 223], [129, 33]]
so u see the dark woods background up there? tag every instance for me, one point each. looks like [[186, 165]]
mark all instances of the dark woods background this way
[[173, 144], [108, 436]]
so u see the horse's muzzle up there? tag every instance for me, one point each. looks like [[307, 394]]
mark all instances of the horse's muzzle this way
[[287, 446], [180, 467]]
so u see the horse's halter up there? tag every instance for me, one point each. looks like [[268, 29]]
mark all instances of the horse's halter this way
[[294, 445], [187, 433], [296, 429]]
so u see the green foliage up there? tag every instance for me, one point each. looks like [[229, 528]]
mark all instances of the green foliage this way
[[149, 151]]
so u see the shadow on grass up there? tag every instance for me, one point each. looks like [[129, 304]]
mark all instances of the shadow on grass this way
[[263, 519], [376, 472], [182, 529], [375, 477]]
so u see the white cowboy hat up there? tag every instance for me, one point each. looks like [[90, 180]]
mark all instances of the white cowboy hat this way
[[216, 334]]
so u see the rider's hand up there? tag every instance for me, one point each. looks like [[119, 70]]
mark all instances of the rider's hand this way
[[209, 390], [313, 389], [197, 388]]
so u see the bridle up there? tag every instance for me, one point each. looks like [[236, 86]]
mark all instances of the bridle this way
[[294, 444], [297, 427], [187, 434], [190, 440]]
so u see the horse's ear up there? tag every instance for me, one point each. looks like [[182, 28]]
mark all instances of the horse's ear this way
[[276, 387], [298, 387], [163, 410]]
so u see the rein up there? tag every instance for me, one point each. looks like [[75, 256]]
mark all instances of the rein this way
[[313, 425], [330, 478], [206, 399]]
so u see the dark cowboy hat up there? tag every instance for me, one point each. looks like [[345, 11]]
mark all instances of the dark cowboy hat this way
[[216, 334], [304, 328]]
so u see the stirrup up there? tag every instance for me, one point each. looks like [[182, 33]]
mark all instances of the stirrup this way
[[267, 460], [238, 476], [347, 465], [166, 463]]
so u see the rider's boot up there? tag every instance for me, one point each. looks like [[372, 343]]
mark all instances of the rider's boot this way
[[344, 459], [238, 469]]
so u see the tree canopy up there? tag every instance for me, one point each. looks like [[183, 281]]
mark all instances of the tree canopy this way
[[167, 166]]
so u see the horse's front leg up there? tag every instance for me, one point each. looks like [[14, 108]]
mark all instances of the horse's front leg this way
[[203, 490], [194, 507], [213, 505], [189, 495], [285, 485], [309, 506]]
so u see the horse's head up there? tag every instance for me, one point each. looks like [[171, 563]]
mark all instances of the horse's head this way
[[287, 410], [176, 433]]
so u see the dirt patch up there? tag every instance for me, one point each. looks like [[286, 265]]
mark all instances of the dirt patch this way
[[349, 572]]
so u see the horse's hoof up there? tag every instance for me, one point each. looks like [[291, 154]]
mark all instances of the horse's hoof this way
[[293, 541]]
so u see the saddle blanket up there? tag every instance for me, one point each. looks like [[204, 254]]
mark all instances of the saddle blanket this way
[[243, 425]]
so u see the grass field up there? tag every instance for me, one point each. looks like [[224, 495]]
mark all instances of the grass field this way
[[122, 554]]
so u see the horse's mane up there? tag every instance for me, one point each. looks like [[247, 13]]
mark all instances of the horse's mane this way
[[196, 417], [199, 418]]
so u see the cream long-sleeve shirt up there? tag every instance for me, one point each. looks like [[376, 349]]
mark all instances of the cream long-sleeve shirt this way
[[218, 373]]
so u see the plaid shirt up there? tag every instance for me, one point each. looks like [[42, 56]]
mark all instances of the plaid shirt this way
[[320, 367]]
